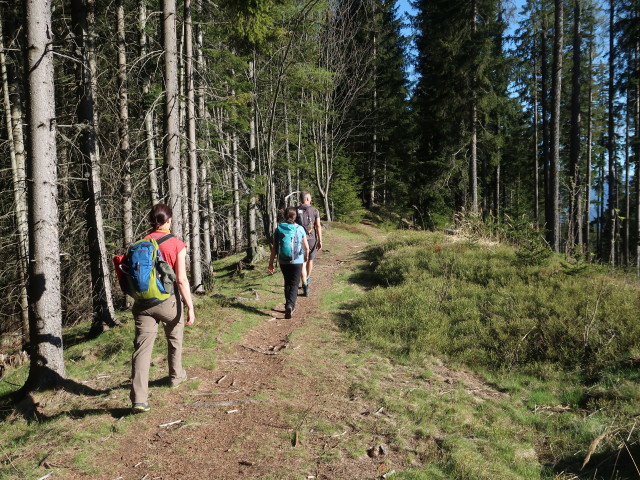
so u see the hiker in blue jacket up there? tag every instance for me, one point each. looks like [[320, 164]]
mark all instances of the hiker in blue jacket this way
[[289, 243]]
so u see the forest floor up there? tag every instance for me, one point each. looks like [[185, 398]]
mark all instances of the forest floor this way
[[305, 398], [281, 398]]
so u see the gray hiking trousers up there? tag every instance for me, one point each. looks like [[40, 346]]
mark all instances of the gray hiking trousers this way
[[170, 314]]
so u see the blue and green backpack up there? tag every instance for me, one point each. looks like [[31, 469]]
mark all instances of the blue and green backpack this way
[[148, 279]]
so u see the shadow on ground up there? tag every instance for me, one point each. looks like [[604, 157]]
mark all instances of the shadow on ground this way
[[619, 464]]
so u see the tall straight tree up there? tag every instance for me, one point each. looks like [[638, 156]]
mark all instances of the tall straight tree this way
[[82, 15], [612, 181], [123, 129], [196, 269], [172, 114], [150, 106], [575, 230], [556, 94], [45, 305], [13, 119]]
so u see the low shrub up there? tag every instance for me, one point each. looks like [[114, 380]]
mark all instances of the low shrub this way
[[486, 306]]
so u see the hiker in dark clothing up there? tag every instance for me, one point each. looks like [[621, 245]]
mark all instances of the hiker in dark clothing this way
[[289, 243], [309, 219]]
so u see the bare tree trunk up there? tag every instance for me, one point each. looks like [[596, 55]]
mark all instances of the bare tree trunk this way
[[374, 135], [544, 102], [172, 115], [637, 151], [611, 144], [82, 14], [627, 190], [556, 89], [123, 131], [45, 304], [574, 153], [536, 152], [235, 185], [252, 247], [587, 206], [473, 160], [16, 153], [196, 258], [204, 170], [148, 116]]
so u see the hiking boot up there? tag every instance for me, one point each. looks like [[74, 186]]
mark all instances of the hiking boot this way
[[305, 290], [140, 408], [177, 381], [288, 310]]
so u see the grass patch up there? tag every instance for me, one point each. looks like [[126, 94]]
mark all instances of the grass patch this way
[[560, 338]]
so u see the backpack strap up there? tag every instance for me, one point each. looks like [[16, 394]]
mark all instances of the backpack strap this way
[[164, 238]]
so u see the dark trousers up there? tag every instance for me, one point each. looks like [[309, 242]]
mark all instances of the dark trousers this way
[[291, 273]]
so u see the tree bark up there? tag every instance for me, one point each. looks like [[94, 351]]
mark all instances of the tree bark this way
[[637, 149], [611, 144], [83, 20], [627, 190], [123, 130], [574, 149], [13, 119], [46, 368], [544, 103], [148, 115], [473, 160], [587, 193], [172, 115], [556, 89], [536, 152], [196, 258]]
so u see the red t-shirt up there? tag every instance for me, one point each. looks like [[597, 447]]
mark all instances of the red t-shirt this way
[[169, 248]]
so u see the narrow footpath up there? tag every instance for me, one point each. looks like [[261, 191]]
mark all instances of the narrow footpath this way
[[279, 404]]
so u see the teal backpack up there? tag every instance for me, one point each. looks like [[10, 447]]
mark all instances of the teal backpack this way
[[289, 242], [147, 278]]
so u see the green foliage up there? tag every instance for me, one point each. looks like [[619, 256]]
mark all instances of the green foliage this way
[[347, 206], [487, 306]]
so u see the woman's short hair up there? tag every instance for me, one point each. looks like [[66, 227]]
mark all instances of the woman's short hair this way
[[160, 214], [290, 214]]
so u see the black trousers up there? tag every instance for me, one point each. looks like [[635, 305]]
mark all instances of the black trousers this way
[[291, 273]]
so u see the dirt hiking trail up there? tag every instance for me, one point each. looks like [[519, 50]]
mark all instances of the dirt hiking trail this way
[[282, 403]]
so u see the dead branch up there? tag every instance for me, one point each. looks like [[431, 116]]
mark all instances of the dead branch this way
[[223, 403], [258, 350]]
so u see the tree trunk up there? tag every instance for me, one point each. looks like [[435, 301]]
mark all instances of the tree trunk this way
[[473, 160], [148, 116], [83, 20], [627, 192], [544, 103], [196, 258], [587, 193], [252, 233], [556, 88], [637, 151], [13, 119], [123, 131], [536, 152], [46, 368], [611, 144], [235, 185], [574, 150], [204, 162], [374, 133], [172, 115]]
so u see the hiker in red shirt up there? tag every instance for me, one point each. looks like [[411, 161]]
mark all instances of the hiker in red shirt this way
[[169, 312]]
